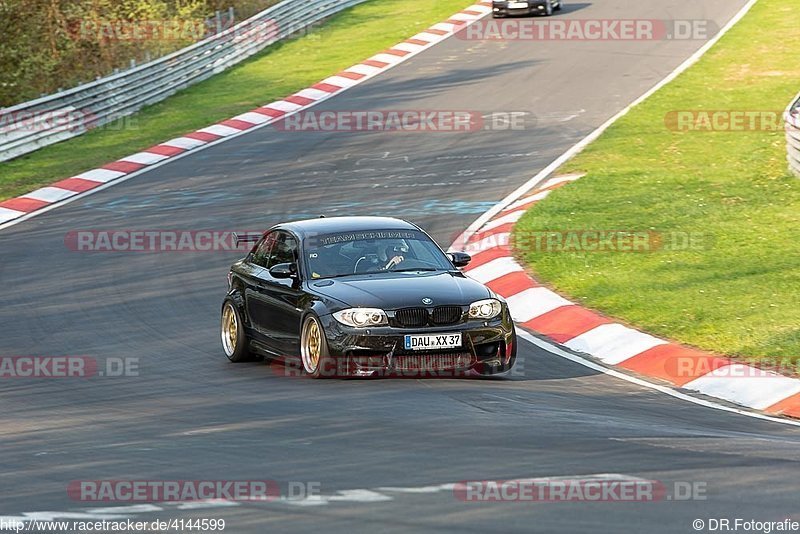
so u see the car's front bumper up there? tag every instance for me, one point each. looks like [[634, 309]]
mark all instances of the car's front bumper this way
[[533, 7], [487, 348]]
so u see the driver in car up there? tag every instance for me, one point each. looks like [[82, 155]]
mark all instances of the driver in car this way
[[394, 254], [380, 257]]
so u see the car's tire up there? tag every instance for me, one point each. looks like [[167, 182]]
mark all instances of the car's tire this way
[[314, 349], [234, 340], [513, 359], [560, 5]]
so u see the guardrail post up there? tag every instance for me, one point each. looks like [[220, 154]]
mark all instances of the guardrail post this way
[[792, 123]]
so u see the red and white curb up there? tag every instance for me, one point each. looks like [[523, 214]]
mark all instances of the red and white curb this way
[[23, 207], [581, 330]]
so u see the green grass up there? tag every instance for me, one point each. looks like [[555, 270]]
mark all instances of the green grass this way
[[738, 293], [282, 69]]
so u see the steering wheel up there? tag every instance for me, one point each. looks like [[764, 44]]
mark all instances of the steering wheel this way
[[372, 260]]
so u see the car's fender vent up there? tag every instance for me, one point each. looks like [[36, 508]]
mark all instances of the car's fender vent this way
[[444, 315], [413, 317]]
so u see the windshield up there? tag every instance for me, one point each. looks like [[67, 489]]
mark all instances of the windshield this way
[[350, 253]]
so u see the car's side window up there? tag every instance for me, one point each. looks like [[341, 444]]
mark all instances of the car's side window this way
[[261, 254], [284, 250]]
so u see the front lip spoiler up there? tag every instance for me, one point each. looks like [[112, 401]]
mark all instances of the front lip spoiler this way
[[454, 364]]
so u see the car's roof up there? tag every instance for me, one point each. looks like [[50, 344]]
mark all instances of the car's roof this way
[[329, 225]]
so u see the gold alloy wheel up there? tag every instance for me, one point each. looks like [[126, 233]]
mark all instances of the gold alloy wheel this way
[[230, 329], [311, 346]]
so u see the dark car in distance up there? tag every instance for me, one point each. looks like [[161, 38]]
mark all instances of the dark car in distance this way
[[503, 8], [363, 296]]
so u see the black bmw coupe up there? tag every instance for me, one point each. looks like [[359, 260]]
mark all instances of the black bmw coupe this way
[[363, 296]]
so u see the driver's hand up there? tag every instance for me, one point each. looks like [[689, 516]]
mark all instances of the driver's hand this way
[[394, 261]]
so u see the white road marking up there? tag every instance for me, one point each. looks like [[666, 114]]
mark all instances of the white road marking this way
[[186, 143], [534, 302], [558, 351], [50, 194], [542, 175], [367, 70], [220, 129], [313, 94], [100, 175], [253, 118], [132, 509], [494, 269], [512, 217], [202, 505], [527, 200], [340, 81], [746, 385], [613, 343], [283, 105], [145, 158], [7, 214]]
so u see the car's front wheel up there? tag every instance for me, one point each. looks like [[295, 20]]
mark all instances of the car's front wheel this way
[[559, 5], [314, 349], [234, 340]]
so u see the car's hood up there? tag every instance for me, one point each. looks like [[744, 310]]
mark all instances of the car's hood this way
[[402, 290]]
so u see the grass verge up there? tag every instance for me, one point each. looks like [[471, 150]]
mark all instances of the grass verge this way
[[278, 71], [736, 291]]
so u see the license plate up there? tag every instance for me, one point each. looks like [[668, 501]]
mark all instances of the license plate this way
[[518, 5], [432, 342]]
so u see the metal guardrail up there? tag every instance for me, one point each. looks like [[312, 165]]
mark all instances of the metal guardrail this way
[[31, 125], [792, 119]]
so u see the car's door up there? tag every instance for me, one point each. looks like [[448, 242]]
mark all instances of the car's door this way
[[257, 307], [282, 297]]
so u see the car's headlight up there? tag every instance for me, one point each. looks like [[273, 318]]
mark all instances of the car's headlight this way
[[485, 309], [362, 317]]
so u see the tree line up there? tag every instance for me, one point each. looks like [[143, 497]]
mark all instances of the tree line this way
[[47, 45]]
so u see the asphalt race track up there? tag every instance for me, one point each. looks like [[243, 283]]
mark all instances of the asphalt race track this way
[[191, 415]]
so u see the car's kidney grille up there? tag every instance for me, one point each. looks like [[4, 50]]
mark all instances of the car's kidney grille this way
[[439, 316], [412, 316], [444, 315]]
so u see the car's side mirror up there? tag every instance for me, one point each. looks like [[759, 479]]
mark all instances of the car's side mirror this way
[[283, 270], [460, 259]]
